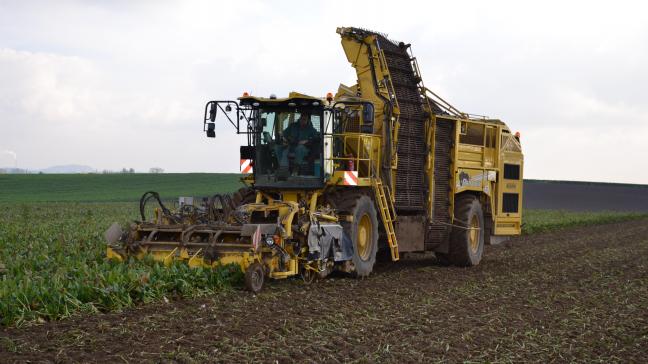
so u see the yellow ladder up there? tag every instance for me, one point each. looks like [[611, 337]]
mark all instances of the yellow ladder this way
[[388, 215]]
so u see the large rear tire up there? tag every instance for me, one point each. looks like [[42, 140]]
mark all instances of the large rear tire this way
[[467, 239]]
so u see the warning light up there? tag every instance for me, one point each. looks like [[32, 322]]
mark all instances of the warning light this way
[[329, 97], [246, 94], [517, 134]]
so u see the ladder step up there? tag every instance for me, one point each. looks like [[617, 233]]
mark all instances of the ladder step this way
[[386, 212]]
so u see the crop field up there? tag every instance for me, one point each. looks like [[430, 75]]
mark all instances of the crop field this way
[[573, 287], [573, 294], [55, 265], [536, 221], [111, 187]]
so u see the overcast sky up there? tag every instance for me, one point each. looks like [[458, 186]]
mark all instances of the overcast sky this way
[[114, 84]]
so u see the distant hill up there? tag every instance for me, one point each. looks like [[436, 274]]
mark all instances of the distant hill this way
[[12, 170], [65, 169], [68, 168]]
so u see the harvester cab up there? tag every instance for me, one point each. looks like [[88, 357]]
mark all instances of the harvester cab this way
[[284, 139], [290, 141]]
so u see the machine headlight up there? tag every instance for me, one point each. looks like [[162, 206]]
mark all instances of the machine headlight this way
[[269, 241]]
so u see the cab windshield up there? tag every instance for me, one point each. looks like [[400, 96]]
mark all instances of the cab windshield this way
[[289, 146]]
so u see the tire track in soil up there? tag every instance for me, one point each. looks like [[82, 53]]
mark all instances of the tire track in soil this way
[[578, 294]]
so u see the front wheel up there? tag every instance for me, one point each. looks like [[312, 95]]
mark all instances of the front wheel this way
[[467, 239], [254, 278], [363, 231]]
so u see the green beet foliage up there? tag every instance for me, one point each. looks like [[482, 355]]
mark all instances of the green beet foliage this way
[[537, 221], [55, 265]]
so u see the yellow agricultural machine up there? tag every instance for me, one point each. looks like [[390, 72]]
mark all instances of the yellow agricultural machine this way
[[382, 168]]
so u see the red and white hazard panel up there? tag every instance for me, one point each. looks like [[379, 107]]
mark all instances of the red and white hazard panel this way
[[350, 178], [246, 166]]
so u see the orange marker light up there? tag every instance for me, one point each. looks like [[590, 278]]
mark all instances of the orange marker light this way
[[517, 134], [246, 94], [329, 97]]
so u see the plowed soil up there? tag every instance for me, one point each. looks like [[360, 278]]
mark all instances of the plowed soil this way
[[572, 295]]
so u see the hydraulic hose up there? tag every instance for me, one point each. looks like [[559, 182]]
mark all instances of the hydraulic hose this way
[[144, 199]]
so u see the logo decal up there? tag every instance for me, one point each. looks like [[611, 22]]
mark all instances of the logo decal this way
[[466, 180]]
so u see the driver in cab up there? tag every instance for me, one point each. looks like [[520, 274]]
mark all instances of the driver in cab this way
[[298, 136]]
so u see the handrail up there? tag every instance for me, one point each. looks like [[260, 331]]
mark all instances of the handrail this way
[[363, 149], [443, 104]]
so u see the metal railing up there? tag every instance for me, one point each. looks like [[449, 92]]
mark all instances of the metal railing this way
[[363, 150]]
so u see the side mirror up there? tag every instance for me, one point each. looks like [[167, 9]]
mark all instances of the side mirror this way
[[211, 130], [367, 118], [212, 112], [368, 113]]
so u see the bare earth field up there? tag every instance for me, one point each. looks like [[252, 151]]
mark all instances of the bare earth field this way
[[573, 295]]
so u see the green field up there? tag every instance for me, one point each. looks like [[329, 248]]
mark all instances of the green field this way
[[537, 221], [55, 264], [112, 187], [53, 252]]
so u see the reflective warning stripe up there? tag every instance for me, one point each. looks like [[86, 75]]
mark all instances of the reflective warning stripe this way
[[350, 178], [246, 166]]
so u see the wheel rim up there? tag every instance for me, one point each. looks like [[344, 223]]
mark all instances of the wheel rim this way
[[474, 234], [308, 275], [364, 237], [256, 279]]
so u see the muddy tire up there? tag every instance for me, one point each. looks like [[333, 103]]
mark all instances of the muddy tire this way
[[363, 231], [467, 241], [254, 278]]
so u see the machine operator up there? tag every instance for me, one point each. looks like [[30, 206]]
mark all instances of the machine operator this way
[[298, 136]]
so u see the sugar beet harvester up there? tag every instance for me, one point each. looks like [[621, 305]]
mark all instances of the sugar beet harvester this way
[[384, 167]]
